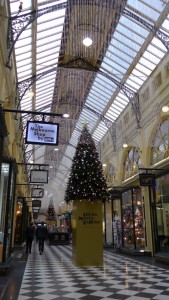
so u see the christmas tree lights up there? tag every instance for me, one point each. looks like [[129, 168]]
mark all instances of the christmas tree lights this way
[[86, 180]]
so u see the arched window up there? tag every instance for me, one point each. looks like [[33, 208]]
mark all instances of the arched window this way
[[131, 164], [160, 146]]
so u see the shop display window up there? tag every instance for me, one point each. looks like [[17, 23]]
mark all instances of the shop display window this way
[[138, 218], [116, 224], [162, 211], [127, 212], [133, 219]]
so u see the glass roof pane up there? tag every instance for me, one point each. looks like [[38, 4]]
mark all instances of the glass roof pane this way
[[15, 7], [151, 57], [134, 26], [101, 87], [134, 36], [158, 46], [139, 74], [22, 63], [142, 7], [132, 84], [116, 59], [23, 42], [120, 53], [165, 25], [147, 63], [24, 56], [143, 69], [108, 84], [118, 44]]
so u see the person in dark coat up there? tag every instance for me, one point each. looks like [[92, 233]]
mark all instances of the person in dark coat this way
[[30, 230], [41, 234]]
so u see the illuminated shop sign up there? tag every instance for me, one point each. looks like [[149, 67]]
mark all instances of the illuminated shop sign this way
[[42, 133]]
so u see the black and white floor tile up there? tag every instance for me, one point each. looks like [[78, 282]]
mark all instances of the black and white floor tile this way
[[53, 276]]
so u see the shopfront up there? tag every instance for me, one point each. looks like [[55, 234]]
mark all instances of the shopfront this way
[[7, 194], [162, 212], [133, 229]]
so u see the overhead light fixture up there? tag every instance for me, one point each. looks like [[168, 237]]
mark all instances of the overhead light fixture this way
[[87, 42], [56, 149], [165, 108], [125, 145], [66, 115], [104, 165]]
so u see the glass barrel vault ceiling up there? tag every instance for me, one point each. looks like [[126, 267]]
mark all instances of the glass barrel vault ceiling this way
[[130, 56]]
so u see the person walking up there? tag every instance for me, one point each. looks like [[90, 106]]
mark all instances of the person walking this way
[[30, 231], [41, 234]]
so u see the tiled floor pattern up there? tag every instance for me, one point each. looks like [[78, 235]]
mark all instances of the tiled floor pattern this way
[[53, 276]]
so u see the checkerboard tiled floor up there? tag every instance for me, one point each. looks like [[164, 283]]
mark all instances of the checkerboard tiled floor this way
[[53, 276]]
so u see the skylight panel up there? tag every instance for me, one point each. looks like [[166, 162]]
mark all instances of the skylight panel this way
[[165, 25], [116, 110], [100, 131], [110, 116], [94, 98], [117, 52], [27, 5], [24, 75], [24, 68], [114, 58], [21, 43], [152, 58], [108, 84], [21, 63], [111, 69], [155, 47], [132, 85], [142, 31], [143, 69], [133, 36], [147, 63], [119, 104], [139, 74], [96, 106], [148, 11], [126, 41], [100, 91], [51, 63], [47, 46], [50, 77], [122, 47], [23, 56], [102, 86], [136, 79], [56, 36]]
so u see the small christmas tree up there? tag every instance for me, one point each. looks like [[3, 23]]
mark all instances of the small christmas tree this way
[[86, 180], [51, 215]]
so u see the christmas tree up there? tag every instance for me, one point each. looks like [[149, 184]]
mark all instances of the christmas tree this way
[[86, 180], [51, 215]]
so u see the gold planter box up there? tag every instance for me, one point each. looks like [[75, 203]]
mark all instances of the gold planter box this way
[[87, 233]]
